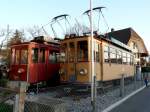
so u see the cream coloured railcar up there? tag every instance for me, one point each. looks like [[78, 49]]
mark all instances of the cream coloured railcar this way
[[111, 59]]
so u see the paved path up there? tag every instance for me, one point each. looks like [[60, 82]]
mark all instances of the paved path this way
[[140, 102]]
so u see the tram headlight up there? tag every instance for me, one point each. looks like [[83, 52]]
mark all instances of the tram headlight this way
[[83, 71], [61, 71], [20, 70], [8, 70]]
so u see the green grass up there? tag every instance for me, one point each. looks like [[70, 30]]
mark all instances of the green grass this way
[[5, 93], [6, 108]]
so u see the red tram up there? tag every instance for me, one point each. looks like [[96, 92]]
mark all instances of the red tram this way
[[34, 61]]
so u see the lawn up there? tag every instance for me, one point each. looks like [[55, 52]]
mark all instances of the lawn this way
[[6, 108]]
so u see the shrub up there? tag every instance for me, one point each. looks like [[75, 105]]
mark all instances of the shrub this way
[[3, 82]]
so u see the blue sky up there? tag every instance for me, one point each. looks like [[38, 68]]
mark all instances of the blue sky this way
[[119, 14]]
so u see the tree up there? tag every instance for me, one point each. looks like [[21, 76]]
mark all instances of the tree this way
[[5, 34], [36, 31], [17, 37], [77, 29]]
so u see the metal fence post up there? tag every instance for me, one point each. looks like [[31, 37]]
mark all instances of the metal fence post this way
[[135, 84], [142, 78], [122, 85], [22, 95], [16, 104]]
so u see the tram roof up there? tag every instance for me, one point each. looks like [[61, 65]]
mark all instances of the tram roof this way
[[39, 40], [32, 42], [106, 38]]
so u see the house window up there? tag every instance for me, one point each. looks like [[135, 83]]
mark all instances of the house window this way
[[134, 45]]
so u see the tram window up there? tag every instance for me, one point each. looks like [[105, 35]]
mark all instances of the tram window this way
[[131, 58], [35, 55], [113, 55], [17, 57], [96, 53], [124, 58], [128, 58], [106, 53], [71, 52], [82, 51], [13, 56], [42, 55], [62, 57], [24, 56], [53, 56], [119, 57], [63, 53]]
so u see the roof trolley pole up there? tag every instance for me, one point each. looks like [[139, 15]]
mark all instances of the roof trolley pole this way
[[93, 76], [99, 9], [57, 20]]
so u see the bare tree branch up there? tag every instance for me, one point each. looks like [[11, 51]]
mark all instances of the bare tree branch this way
[[36, 31], [5, 34]]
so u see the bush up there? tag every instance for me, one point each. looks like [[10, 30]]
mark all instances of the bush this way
[[6, 108], [3, 82], [145, 69]]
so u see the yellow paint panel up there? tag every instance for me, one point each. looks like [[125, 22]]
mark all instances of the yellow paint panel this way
[[114, 71]]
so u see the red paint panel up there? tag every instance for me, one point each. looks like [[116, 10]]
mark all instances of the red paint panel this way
[[42, 72], [52, 69], [33, 73], [14, 75]]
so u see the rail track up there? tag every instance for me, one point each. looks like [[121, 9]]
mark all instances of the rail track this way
[[74, 91]]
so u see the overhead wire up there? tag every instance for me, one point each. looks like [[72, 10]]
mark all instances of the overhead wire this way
[[105, 21]]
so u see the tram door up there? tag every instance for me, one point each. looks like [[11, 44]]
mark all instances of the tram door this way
[[53, 66], [72, 71], [34, 65], [19, 60], [42, 64], [38, 66]]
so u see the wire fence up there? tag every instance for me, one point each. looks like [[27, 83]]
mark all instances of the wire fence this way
[[4, 107], [7, 100], [49, 106], [63, 98], [79, 100]]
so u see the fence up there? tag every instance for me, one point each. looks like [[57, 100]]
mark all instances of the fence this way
[[45, 105], [77, 101], [7, 100], [5, 107], [62, 99], [146, 72]]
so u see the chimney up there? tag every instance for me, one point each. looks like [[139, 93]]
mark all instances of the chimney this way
[[112, 29]]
